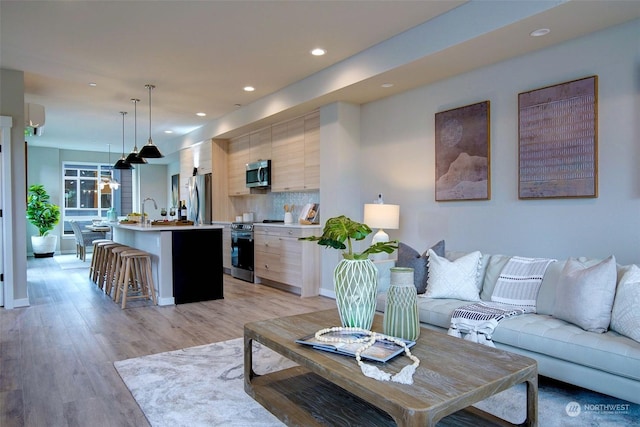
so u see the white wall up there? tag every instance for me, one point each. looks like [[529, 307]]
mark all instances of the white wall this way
[[154, 182], [397, 157]]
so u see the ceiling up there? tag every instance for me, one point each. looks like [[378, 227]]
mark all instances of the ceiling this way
[[200, 55]]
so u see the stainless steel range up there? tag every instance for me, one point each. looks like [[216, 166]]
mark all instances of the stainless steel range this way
[[242, 251]]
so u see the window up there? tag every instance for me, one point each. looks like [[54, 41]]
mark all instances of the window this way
[[84, 200]]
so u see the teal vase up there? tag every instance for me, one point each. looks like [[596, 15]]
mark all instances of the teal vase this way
[[356, 285], [401, 309]]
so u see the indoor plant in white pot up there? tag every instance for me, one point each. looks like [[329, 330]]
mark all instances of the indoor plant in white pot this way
[[355, 278], [44, 215]]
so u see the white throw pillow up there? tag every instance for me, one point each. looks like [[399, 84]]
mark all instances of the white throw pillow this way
[[519, 282], [584, 295], [625, 317], [453, 279]]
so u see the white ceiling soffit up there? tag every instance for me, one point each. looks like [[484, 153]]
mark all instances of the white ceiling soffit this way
[[200, 54]]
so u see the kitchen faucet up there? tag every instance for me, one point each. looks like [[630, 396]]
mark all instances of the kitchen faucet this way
[[155, 205]]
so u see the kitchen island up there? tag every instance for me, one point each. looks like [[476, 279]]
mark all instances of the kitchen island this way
[[186, 260]]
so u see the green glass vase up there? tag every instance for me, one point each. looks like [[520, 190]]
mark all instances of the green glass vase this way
[[356, 285], [401, 309]]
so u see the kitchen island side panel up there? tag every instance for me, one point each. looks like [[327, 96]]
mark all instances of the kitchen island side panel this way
[[197, 265]]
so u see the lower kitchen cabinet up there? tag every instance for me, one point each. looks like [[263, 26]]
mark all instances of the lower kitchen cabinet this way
[[282, 258], [226, 246], [197, 270]]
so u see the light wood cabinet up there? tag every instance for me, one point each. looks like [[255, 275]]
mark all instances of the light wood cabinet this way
[[295, 148], [287, 150], [282, 258], [312, 151], [260, 145], [239, 152]]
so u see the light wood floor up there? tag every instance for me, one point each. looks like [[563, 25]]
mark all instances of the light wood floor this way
[[56, 356]]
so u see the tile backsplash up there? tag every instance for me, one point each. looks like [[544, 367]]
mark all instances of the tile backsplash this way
[[271, 205]]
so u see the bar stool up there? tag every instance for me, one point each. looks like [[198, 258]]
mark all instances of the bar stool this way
[[101, 263], [114, 261], [135, 277], [94, 255]]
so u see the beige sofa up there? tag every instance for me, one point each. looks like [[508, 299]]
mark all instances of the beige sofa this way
[[607, 362]]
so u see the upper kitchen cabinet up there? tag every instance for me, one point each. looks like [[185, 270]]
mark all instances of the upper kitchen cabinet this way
[[295, 154], [287, 155], [239, 156], [312, 151], [260, 145]]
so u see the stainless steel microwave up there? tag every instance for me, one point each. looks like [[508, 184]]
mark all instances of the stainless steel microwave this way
[[259, 173]]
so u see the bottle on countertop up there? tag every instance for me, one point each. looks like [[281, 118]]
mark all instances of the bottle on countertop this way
[[183, 211]]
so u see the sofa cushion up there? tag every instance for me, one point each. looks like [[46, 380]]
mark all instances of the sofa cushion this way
[[609, 352], [519, 282], [410, 258], [494, 265], [584, 294], [625, 316], [453, 279], [545, 303]]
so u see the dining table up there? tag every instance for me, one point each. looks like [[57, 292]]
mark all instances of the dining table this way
[[100, 227]]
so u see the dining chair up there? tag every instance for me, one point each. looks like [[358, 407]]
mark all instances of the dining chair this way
[[84, 238]]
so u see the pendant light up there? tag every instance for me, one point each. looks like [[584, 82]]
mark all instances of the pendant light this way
[[110, 181], [122, 163], [133, 157], [150, 151]]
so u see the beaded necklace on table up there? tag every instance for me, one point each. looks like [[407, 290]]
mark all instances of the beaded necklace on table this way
[[405, 376]]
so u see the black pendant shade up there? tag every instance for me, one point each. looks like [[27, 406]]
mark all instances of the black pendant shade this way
[[122, 163], [133, 157], [150, 151]]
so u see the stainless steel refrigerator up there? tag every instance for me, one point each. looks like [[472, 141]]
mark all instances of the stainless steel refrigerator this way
[[199, 203]]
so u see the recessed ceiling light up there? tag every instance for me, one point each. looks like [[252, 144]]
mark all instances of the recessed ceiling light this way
[[92, 84], [201, 114], [249, 88], [318, 51], [168, 131], [540, 32], [385, 85]]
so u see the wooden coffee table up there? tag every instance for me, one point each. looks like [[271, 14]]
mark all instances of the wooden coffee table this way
[[329, 389]]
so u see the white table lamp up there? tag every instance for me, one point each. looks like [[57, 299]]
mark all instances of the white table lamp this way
[[381, 216]]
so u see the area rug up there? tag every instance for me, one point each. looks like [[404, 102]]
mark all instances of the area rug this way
[[203, 386], [71, 261]]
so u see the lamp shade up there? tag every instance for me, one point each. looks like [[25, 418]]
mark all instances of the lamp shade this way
[[382, 216], [122, 164], [133, 158], [150, 151]]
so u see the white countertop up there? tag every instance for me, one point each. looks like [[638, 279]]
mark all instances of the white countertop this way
[[281, 224], [148, 228], [272, 224]]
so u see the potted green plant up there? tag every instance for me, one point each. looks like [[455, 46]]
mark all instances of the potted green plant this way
[[341, 229], [44, 215], [355, 278]]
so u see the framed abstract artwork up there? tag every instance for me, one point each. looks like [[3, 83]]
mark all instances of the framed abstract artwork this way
[[558, 140], [462, 153]]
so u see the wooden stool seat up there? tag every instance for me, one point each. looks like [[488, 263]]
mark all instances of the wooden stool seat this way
[[94, 256], [113, 267], [100, 270], [135, 279]]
